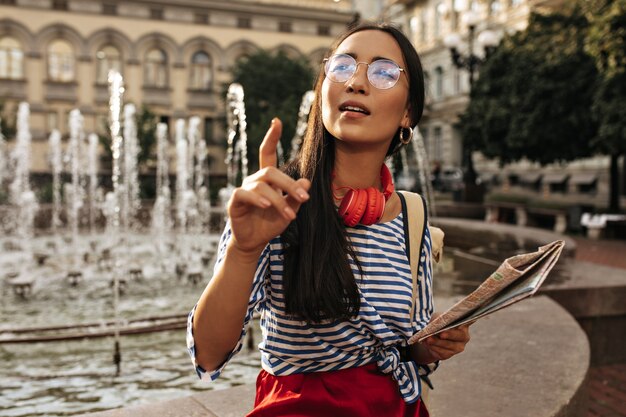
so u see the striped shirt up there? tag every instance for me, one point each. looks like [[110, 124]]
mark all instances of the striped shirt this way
[[375, 335]]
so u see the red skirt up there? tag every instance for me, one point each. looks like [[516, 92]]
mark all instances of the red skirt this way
[[355, 392]]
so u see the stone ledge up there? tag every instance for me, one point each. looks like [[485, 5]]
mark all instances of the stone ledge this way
[[528, 360]]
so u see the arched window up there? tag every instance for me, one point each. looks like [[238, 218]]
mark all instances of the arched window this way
[[107, 58], [201, 71], [11, 59], [60, 61], [438, 18], [155, 65], [438, 82]]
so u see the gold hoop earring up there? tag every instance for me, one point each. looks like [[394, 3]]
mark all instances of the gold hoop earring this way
[[405, 141]]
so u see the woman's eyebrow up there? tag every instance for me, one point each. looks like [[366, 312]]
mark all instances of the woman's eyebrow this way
[[376, 58]]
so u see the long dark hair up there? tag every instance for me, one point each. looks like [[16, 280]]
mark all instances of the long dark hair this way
[[318, 281]]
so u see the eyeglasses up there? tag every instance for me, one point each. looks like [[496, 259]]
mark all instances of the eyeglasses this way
[[382, 73]]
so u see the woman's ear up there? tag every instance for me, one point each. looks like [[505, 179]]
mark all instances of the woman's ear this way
[[406, 118]]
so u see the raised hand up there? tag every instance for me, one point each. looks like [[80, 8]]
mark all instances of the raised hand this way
[[267, 201]]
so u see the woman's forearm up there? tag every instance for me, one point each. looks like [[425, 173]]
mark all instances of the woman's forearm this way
[[222, 307]]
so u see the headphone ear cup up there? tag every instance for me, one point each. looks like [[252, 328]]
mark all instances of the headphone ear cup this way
[[375, 201], [353, 206]]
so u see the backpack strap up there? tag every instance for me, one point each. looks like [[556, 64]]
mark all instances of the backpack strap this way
[[414, 213]]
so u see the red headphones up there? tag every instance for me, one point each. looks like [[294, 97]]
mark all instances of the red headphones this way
[[366, 206]]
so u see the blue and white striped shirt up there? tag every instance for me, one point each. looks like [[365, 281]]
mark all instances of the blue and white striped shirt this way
[[382, 326]]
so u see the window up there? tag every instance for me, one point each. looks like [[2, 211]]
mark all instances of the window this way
[[209, 124], [438, 19], [427, 89], [109, 9], [52, 121], [59, 4], [244, 22], [495, 7], [107, 58], [515, 3], [155, 65], [201, 18], [457, 8], [323, 30], [201, 71], [457, 81], [11, 59], [424, 26], [60, 61], [102, 124], [285, 27], [424, 131], [156, 13], [437, 154], [438, 82]]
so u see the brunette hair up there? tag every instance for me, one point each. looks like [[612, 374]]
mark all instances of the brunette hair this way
[[318, 280]]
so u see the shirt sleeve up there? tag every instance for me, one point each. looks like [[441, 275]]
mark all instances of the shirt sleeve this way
[[425, 299], [257, 296]]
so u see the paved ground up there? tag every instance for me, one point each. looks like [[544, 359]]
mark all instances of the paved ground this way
[[607, 389]]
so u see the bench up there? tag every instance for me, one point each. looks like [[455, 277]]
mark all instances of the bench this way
[[597, 224], [522, 215]]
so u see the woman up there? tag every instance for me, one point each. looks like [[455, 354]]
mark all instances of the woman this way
[[330, 276]]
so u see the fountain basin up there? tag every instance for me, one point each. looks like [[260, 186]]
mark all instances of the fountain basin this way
[[530, 359]]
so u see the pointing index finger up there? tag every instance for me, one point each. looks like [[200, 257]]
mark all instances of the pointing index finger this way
[[267, 150]]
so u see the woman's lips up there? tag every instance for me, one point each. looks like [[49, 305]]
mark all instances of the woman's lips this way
[[353, 110]]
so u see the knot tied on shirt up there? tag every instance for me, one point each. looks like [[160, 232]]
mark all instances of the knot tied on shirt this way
[[406, 374]]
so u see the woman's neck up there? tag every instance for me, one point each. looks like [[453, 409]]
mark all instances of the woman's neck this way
[[360, 170]]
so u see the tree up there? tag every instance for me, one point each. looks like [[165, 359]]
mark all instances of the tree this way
[[273, 86], [7, 123], [606, 42], [146, 122], [534, 93]]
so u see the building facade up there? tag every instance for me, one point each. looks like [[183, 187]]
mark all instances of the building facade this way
[[428, 22], [176, 56]]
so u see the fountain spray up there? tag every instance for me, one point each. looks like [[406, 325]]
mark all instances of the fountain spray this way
[[76, 202], [20, 192], [3, 157], [92, 159], [182, 176], [237, 150], [116, 89], [54, 143], [303, 117], [423, 167]]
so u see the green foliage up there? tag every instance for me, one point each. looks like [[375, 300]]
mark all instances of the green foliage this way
[[146, 122], [533, 97], [609, 108], [7, 123], [273, 86], [606, 37]]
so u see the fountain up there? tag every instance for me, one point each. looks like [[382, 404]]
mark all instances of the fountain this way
[[56, 163], [3, 157], [92, 170], [303, 117]]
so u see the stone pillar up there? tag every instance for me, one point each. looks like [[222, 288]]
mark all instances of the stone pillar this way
[[560, 223], [521, 217]]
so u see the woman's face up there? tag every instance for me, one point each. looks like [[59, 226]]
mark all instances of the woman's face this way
[[384, 111]]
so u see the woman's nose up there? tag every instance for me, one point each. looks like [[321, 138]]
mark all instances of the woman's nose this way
[[358, 82]]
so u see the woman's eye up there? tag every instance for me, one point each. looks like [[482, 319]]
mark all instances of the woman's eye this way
[[385, 73], [341, 67]]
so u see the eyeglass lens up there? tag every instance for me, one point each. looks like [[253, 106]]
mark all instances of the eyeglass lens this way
[[382, 73]]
